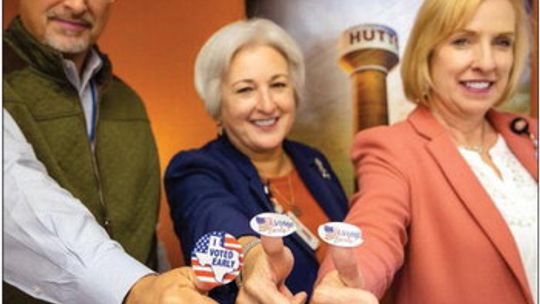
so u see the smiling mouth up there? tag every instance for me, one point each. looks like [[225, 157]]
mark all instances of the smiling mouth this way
[[477, 85], [265, 122], [72, 23]]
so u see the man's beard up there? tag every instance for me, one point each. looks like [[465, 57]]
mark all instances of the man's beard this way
[[63, 43], [66, 41]]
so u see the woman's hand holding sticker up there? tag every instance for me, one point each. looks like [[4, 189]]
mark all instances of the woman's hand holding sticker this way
[[268, 264], [344, 284]]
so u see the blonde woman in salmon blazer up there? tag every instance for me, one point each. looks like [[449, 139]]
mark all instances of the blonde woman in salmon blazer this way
[[448, 199]]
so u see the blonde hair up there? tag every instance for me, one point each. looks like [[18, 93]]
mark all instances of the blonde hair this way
[[435, 22], [215, 57]]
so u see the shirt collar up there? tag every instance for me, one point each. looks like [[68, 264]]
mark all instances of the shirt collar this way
[[91, 67]]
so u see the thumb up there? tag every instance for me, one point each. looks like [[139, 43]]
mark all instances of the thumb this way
[[279, 257], [192, 281], [346, 266], [299, 298]]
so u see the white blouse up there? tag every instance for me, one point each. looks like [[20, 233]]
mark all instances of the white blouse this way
[[515, 194]]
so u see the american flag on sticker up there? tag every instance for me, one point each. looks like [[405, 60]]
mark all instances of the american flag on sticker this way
[[265, 224], [217, 258], [330, 232]]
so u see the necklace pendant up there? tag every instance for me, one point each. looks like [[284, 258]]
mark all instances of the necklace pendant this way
[[477, 149]]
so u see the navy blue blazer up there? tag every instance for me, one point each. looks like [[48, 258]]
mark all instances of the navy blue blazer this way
[[217, 188]]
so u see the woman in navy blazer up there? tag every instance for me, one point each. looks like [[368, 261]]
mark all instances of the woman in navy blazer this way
[[250, 75]]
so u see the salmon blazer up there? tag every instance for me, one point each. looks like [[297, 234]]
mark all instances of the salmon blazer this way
[[430, 228]]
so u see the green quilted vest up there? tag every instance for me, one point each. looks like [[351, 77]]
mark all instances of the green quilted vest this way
[[119, 183]]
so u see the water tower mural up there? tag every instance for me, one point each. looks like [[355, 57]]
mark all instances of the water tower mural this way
[[367, 53]]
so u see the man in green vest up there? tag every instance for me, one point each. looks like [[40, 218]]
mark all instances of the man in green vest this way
[[81, 170]]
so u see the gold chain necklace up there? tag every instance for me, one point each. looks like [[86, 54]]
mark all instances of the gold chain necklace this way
[[477, 148], [290, 201]]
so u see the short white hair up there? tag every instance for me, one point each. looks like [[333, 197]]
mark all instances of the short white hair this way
[[214, 58]]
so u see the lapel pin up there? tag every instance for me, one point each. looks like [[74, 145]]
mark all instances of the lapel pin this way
[[521, 127], [322, 169]]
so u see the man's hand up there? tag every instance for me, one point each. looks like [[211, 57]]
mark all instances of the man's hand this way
[[266, 267], [343, 285], [179, 286]]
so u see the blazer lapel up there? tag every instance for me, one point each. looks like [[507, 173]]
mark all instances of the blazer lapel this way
[[257, 188], [521, 145], [312, 177], [249, 172], [317, 179], [468, 188], [322, 194]]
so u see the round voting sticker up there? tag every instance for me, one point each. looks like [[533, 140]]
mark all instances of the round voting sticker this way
[[340, 234], [216, 258], [272, 224]]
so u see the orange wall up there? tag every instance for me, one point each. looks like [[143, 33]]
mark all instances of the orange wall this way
[[153, 45]]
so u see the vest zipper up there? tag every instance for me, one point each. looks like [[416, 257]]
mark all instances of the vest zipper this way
[[107, 222]]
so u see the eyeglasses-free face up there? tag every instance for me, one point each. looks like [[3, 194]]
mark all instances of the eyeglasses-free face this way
[[471, 69], [258, 105], [69, 26]]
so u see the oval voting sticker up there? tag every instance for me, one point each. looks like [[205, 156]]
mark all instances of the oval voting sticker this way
[[272, 224], [340, 234], [216, 258]]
